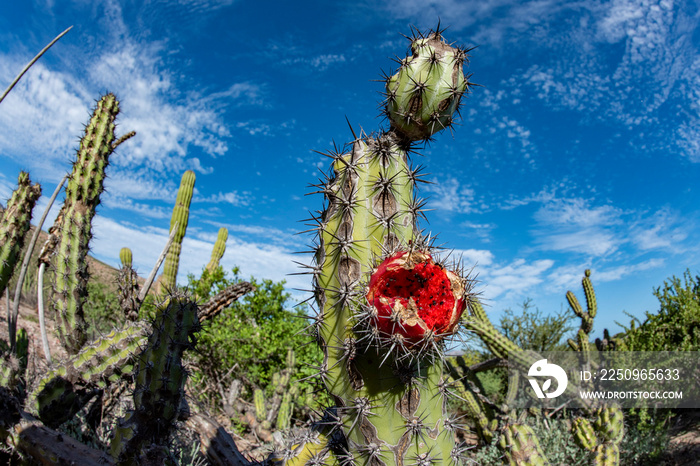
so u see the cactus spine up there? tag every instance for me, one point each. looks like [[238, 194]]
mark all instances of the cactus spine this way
[[387, 379], [219, 249], [181, 213], [82, 197]]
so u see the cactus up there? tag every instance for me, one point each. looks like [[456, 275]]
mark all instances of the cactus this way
[[128, 286], [160, 378], [521, 446], [424, 94], [126, 257], [219, 249], [53, 399], [181, 213], [385, 303], [83, 191], [14, 225], [584, 434]]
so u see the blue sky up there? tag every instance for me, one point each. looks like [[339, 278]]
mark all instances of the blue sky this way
[[581, 148]]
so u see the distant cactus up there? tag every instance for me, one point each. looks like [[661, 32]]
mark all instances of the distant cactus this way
[[128, 286], [180, 216], [219, 249]]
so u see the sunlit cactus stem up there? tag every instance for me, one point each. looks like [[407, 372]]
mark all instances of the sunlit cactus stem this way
[[181, 213], [85, 185]]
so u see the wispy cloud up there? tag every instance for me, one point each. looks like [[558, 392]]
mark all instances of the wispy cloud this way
[[449, 195]]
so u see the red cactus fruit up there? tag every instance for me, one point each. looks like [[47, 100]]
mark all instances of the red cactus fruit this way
[[414, 297]]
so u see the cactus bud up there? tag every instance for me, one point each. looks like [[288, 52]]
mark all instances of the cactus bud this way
[[415, 297], [425, 92]]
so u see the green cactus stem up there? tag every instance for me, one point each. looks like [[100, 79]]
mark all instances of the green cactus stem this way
[[219, 249], [68, 385], [424, 94], [584, 434], [381, 334], [181, 213], [160, 378], [125, 256], [14, 225], [75, 229], [259, 402]]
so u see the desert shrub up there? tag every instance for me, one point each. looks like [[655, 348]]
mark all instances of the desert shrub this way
[[676, 326], [249, 341]]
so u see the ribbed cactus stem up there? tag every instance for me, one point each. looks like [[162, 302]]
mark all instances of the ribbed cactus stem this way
[[128, 286], [83, 191], [59, 393], [219, 249], [521, 446], [181, 213], [391, 405]]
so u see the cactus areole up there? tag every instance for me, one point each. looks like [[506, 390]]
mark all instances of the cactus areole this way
[[416, 298]]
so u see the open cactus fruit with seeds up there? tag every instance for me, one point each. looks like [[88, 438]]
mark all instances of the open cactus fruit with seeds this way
[[416, 298]]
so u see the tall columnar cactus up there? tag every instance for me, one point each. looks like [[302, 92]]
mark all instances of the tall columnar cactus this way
[[181, 213], [385, 303], [83, 191], [219, 249], [14, 225]]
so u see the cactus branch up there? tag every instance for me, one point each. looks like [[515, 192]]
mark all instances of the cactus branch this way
[[28, 256]]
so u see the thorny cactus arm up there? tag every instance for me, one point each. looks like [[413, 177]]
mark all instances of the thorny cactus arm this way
[[604, 435], [83, 191], [14, 225], [160, 377]]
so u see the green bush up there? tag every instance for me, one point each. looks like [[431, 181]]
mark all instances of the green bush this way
[[676, 326], [249, 340], [533, 331]]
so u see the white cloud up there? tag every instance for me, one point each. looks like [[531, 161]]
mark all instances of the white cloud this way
[[572, 225], [514, 280], [450, 196], [234, 198]]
